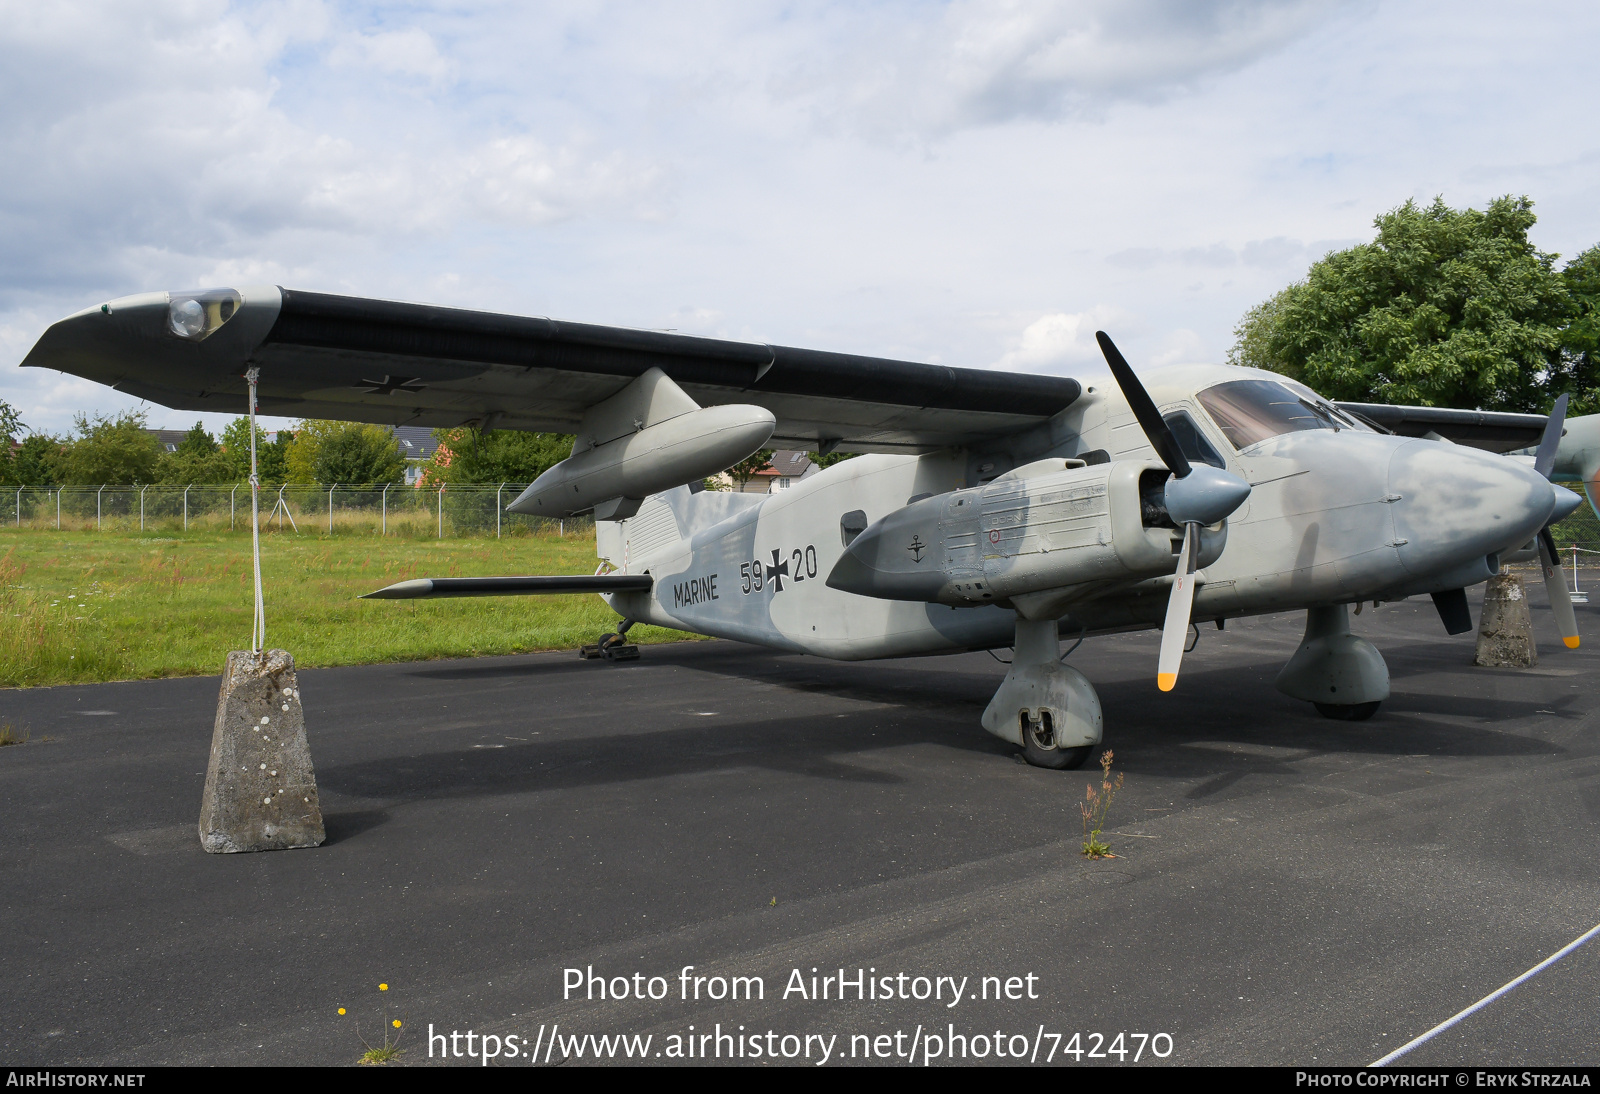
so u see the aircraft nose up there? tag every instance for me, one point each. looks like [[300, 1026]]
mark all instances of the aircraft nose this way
[[1453, 503]]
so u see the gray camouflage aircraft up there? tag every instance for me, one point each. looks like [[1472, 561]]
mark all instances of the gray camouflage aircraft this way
[[990, 510]]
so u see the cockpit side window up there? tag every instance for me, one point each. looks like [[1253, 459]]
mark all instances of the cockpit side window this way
[[1191, 441], [1251, 411]]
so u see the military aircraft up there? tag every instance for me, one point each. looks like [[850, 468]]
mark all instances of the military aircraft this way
[[987, 511]]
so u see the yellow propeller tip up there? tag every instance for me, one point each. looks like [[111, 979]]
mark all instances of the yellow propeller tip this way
[[1572, 643], [1166, 681]]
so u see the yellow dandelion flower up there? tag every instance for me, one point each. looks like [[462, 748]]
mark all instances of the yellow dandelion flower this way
[[383, 987], [341, 1010], [397, 1023]]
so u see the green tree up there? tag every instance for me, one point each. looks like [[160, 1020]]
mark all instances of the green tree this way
[[114, 449], [347, 452], [272, 457], [197, 442], [1580, 341], [1445, 307], [37, 462], [10, 421], [198, 458], [354, 452], [468, 455], [832, 458], [745, 470], [181, 468]]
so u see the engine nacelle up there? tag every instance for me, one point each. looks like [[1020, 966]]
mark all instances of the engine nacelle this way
[[612, 478], [1040, 537]]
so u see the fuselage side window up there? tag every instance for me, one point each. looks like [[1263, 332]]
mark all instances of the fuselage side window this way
[[1191, 441]]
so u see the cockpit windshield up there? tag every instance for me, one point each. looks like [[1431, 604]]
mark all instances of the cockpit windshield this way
[[1251, 411]]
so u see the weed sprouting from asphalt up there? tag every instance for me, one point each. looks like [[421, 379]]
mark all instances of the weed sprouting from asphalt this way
[[389, 1050], [1095, 806], [10, 735]]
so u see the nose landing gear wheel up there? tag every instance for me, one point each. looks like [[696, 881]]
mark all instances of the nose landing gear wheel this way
[[1347, 712], [1039, 746]]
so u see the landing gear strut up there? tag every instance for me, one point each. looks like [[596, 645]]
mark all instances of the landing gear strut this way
[[1342, 675], [1042, 705], [612, 646]]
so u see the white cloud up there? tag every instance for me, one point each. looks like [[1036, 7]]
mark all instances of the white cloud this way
[[161, 133], [1275, 254], [969, 183], [984, 63], [1057, 341], [1182, 347], [409, 52]]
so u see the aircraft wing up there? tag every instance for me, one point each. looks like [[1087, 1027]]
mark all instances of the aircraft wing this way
[[1493, 431], [342, 357]]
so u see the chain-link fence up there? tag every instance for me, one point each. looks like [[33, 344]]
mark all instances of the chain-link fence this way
[[477, 510], [392, 510], [1581, 530]]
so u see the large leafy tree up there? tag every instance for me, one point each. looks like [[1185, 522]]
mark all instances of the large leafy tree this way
[[1445, 307], [359, 453], [10, 421], [198, 458], [747, 468], [342, 452], [272, 457], [115, 449], [1580, 341], [468, 455], [37, 462]]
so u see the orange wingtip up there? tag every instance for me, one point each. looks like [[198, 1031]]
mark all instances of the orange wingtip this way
[[1572, 641], [1166, 680]]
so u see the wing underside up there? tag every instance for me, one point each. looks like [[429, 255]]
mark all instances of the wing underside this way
[[1493, 431], [338, 357]]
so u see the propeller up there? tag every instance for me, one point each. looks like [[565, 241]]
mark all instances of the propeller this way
[[1196, 495], [1555, 582]]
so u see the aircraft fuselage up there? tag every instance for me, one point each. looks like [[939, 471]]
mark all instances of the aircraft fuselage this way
[[1335, 516]]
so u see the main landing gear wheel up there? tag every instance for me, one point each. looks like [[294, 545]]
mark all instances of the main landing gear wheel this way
[[612, 646], [1039, 746], [1348, 712]]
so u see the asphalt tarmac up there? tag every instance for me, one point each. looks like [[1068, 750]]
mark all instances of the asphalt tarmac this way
[[1287, 889]]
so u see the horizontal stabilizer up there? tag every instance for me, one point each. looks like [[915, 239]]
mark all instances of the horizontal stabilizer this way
[[424, 588]]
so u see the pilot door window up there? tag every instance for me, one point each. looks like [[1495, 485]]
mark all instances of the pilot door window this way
[[1192, 442]]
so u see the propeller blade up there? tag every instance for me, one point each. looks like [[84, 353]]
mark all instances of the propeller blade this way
[[1175, 631], [1545, 458], [1555, 583], [1144, 408]]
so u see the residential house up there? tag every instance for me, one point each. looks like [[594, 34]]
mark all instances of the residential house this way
[[786, 468]]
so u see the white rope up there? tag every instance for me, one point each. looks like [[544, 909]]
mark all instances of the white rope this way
[[258, 630]]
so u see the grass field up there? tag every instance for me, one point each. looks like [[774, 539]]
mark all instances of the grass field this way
[[81, 607]]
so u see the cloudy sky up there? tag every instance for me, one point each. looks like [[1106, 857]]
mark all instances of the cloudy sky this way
[[977, 184]]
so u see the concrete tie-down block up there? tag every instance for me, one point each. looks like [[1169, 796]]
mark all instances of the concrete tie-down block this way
[[1505, 633], [261, 793]]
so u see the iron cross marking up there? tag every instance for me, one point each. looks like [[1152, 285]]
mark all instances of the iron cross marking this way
[[389, 385], [777, 571], [916, 548]]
